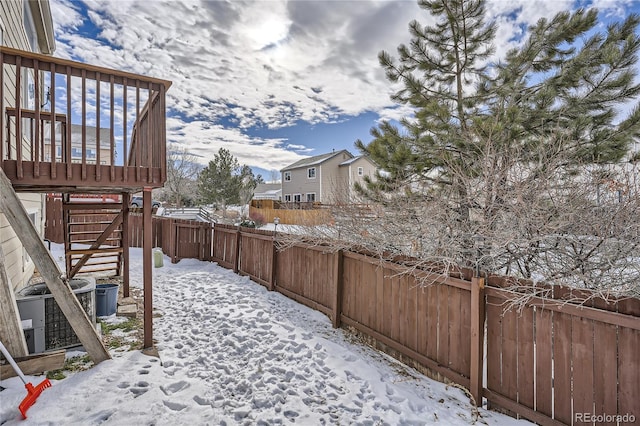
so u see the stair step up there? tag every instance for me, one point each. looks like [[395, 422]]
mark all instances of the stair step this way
[[89, 263], [91, 223], [72, 241], [94, 251], [95, 256], [89, 271], [92, 206], [92, 232]]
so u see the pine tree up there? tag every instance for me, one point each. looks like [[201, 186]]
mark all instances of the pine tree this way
[[549, 106], [218, 183]]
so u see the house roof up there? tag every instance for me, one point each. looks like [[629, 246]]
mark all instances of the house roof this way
[[354, 159], [267, 187], [315, 160]]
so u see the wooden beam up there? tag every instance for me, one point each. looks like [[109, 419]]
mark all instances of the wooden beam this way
[[124, 239], [17, 217], [35, 364], [11, 334], [147, 242]]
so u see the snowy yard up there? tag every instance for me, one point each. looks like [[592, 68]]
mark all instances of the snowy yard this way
[[233, 353]]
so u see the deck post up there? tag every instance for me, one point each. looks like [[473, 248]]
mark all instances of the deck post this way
[[146, 267], [126, 199]]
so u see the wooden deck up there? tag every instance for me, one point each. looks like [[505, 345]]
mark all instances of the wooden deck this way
[[73, 128], [108, 133]]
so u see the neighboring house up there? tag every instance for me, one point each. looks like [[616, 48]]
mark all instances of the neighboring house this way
[[25, 25], [268, 191], [76, 144], [327, 178]]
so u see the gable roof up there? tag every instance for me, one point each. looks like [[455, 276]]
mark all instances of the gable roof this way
[[354, 159], [267, 187], [315, 160]]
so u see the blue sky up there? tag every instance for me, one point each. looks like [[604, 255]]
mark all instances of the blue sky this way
[[272, 81]]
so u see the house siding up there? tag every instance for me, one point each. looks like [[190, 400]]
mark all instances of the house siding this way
[[350, 175], [333, 184], [19, 268], [300, 183], [334, 180]]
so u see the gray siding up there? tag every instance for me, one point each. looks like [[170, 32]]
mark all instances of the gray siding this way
[[333, 184], [351, 174], [301, 184], [19, 267]]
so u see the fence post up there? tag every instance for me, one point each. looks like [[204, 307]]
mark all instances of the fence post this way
[[477, 339], [236, 260], [274, 259], [338, 276], [174, 241], [214, 236]]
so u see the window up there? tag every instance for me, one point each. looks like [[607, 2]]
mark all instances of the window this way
[[311, 173], [30, 27], [287, 176], [297, 198], [311, 197], [287, 198], [360, 171]]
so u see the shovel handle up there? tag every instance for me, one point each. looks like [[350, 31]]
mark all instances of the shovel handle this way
[[9, 358]]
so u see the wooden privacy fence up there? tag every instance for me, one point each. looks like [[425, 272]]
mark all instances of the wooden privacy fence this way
[[551, 360], [178, 238]]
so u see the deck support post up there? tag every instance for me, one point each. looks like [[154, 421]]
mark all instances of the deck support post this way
[[124, 272], [146, 267]]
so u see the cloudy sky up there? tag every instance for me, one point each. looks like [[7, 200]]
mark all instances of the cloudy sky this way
[[272, 81]]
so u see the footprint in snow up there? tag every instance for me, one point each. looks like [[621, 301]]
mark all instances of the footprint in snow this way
[[174, 387], [174, 406], [201, 401], [138, 391], [101, 416]]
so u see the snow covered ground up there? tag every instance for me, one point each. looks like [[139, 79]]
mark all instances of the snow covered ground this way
[[233, 353]]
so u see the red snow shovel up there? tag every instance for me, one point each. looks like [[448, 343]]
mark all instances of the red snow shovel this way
[[33, 392]]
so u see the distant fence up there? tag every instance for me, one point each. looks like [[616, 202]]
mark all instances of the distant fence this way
[[309, 217], [552, 361]]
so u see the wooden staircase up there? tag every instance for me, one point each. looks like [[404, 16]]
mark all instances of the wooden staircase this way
[[93, 238]]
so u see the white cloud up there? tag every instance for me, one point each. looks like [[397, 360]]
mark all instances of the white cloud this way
[[263, 63]]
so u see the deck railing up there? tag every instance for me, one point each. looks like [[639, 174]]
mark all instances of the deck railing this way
[[69, 123]]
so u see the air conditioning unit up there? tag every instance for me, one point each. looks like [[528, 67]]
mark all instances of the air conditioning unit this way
[[45, 326]]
